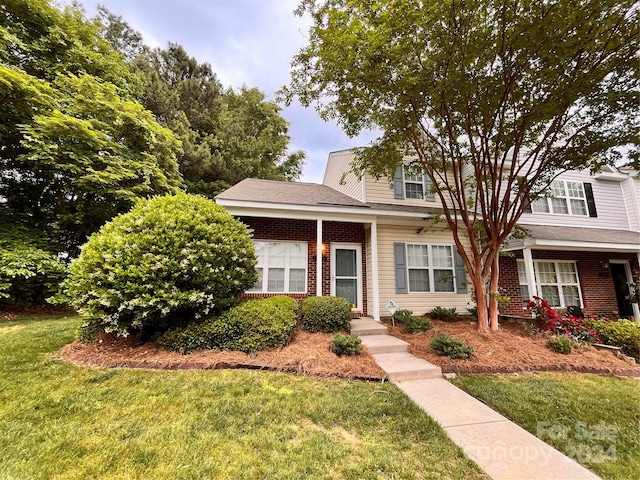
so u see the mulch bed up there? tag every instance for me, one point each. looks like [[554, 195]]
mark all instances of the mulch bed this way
[[307, 354], [512, 350], [509, 350]]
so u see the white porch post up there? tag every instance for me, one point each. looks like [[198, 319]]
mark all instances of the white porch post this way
[[529, 270], [375, 288], [319, 258], [636, 306]]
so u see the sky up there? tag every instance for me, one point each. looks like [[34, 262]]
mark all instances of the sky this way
[[247, 42]]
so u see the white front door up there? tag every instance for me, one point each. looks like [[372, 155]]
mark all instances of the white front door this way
[[346, 272]]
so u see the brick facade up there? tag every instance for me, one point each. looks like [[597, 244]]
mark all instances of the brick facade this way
[[596, 282], [305, 231]]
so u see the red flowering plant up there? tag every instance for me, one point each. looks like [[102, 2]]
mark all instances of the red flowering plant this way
[[549, 320]]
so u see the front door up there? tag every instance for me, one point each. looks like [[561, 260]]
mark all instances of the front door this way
[[620, 281], [346, 273]]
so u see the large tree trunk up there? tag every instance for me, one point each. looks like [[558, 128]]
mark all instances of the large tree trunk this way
[[480, 290], [493, 298]]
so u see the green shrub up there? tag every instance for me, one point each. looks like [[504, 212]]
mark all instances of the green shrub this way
[[401, 316], [622, 333], [249, 327], [346, 345], [444, 314], [560, 344], [325, 314], [170, 261], [451, 347], [416, 324], [30, 271]]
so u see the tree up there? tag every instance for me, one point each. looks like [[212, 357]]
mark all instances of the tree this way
[[226, 135], [76, 148], [491, 98]]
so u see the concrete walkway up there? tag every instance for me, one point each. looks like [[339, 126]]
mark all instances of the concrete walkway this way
[[501, 448]]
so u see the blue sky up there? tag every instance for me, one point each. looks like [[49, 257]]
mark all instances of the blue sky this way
[[247, 42]]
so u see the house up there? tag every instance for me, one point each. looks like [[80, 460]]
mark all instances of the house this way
[[371, 240]]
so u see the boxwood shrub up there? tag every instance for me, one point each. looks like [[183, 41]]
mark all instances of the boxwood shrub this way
[[560, 344], [249, 327], [451, 347], [169, 261], [325, 314], [346, 345], [622, 333]]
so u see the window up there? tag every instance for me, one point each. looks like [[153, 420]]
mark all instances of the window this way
[[430, 268], [566, 198], [282, 267], [411, 183], [557, 282]]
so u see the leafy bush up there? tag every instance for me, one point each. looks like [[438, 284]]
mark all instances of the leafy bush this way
[[169, 261], [548, 320], [451, 347], [444, 314], [30, 271], [416, 324], [249, 327], [346, 345], [560, 344], [621, 333], [402, 316], [326, 314]]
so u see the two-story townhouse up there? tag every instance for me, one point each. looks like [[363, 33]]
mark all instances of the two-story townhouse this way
[[370, 241]]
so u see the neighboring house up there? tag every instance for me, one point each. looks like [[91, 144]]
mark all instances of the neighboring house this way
[[370, 241]]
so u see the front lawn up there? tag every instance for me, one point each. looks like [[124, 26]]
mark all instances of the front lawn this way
[[59, 421], [593, 419]]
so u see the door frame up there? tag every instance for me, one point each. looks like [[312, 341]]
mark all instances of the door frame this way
[[348, 246], [627, 270]]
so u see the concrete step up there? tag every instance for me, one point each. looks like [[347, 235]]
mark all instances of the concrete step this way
[[365, 326], [401, 367], [384, 344]]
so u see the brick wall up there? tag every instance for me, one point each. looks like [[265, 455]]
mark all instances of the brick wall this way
[[305, 231], [596, 282]]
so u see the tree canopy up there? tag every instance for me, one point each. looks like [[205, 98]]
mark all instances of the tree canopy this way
[[490, 98], [226, 135], [76, 148]]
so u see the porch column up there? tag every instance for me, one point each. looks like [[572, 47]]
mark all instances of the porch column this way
[[529, 270], [319, 264], [375, 288], [636, 306]]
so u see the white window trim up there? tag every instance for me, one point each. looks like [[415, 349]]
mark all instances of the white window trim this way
[[558, 283], [405, 182], [287, 268], [431, 268], [567, 199]]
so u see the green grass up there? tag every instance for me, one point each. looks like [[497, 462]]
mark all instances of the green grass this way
[[59, 421], [593, 419]]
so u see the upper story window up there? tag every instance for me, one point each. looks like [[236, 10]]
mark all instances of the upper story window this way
[[567, 198], [282, 267], [411, 183]]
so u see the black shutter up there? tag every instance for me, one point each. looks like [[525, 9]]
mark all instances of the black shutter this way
[[591, 202], [400, 260], [398, 183], [460, 272]]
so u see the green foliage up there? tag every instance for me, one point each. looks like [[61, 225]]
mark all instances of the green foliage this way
[[325, 314], [170, 260], [76, 148], [622, 333], [450, 346], [346, 345], [30, 271], [249, 327], [410, 323], [444, 314], [560, 344]]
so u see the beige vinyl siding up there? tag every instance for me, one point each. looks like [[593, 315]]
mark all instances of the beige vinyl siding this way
[[422, 302], [609, 205], [337, 164], [381, 191]]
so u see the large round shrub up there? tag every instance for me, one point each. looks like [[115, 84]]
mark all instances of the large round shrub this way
[[169, 261]]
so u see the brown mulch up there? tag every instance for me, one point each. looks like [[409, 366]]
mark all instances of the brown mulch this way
[[307, 353], [511, 350]]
